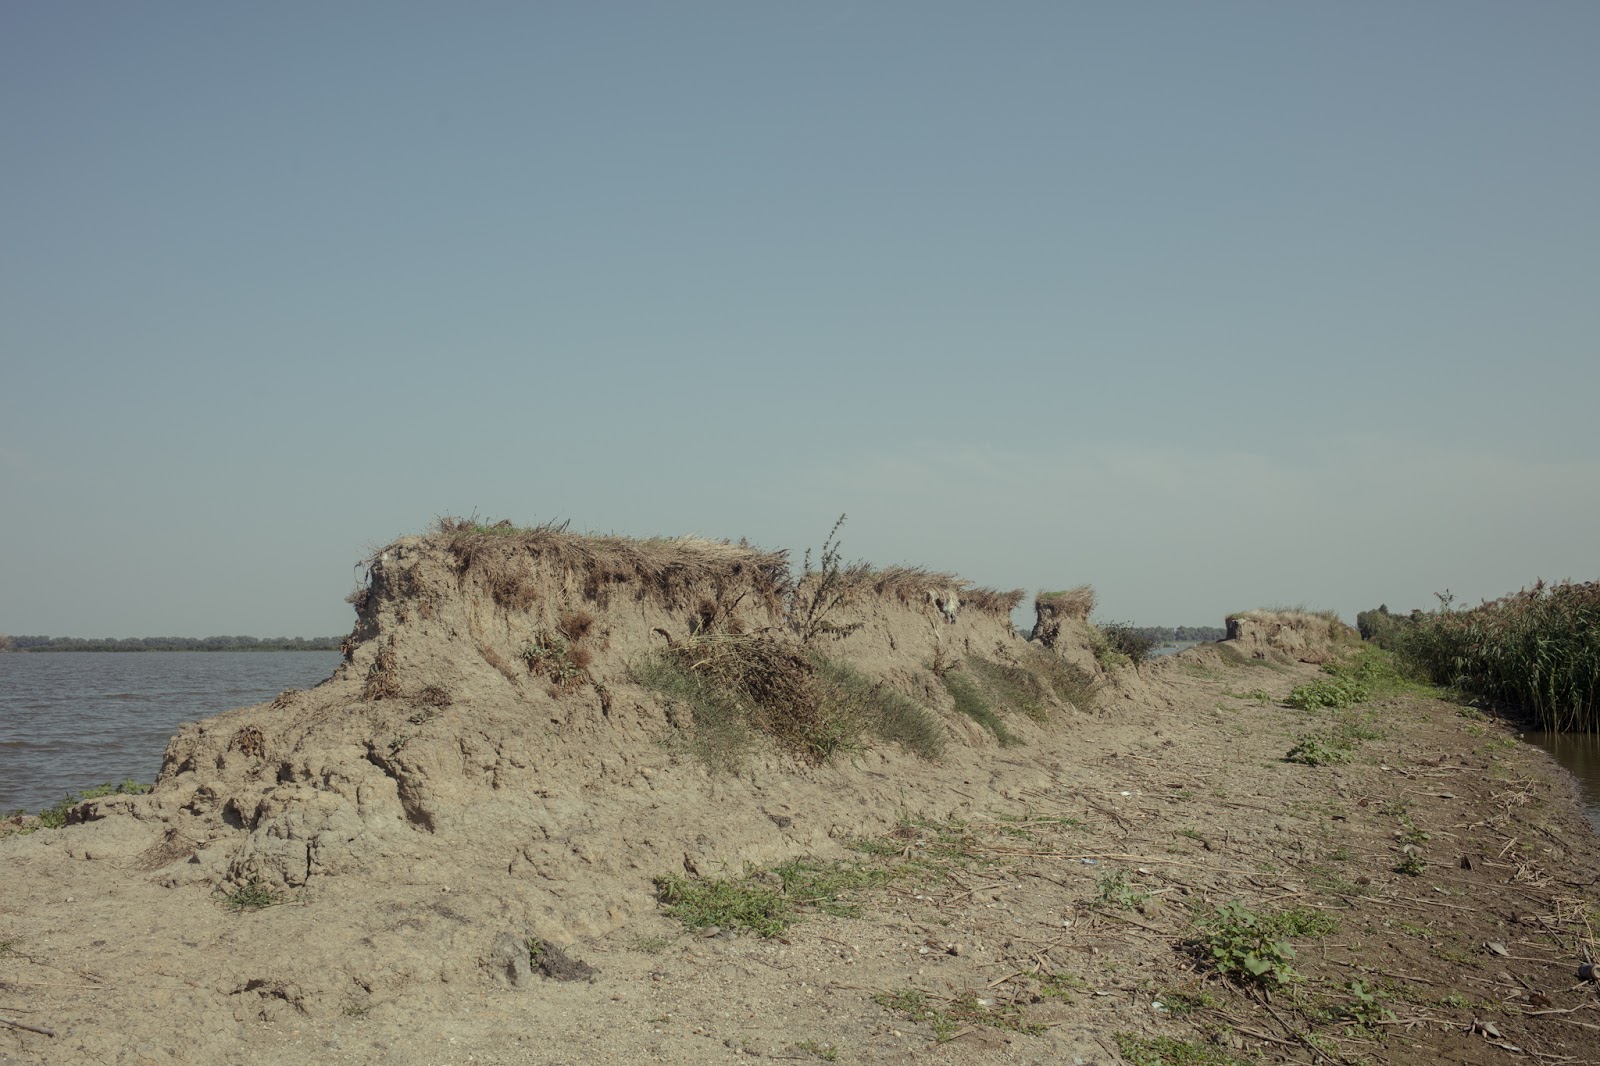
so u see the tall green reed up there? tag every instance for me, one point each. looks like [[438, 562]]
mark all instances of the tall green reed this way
[[1538, 650]]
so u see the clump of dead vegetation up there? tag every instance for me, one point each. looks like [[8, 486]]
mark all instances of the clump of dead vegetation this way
[[670, 570], [381, 683], [1068, 603]]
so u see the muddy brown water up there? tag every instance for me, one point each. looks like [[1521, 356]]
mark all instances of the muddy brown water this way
[[1579, 755]]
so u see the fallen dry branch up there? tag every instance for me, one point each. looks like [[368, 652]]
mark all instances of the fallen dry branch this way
[[24, 1025]]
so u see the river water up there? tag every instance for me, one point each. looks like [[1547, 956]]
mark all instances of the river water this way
[[1579, 755], [69, 720]]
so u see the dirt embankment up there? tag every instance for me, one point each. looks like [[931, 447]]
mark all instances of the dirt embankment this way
[[487, 769]]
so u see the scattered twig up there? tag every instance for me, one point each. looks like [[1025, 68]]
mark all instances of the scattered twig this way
[[24, 1025]]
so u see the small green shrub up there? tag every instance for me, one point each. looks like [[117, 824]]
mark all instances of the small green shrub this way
[[1365, 1009], [767, 902], [1411, 863], [253, 896], [813, 598], [551, 657], [1335, 692], [1122, 638]]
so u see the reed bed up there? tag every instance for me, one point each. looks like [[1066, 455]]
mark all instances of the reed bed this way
[[1537, 649]]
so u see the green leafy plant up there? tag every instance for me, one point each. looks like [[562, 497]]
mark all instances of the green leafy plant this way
[[1242, 946], [1318, 749], [1365, 1009], [1114, 890], [1335, 692], [550, 656]]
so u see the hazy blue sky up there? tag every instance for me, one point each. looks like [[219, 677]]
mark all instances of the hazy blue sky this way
[[1211, 305]]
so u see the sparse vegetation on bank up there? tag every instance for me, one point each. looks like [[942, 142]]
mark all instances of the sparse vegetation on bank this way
[[56, 817]]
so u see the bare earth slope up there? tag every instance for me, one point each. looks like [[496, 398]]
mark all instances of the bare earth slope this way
[[485, 770]]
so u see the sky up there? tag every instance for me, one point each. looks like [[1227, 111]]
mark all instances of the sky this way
[[1211, 306]]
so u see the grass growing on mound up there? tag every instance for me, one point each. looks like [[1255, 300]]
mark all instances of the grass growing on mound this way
[[1016, 687], [739, 687], [882, 712], [1070, 684], [971, 701], [985, 690]]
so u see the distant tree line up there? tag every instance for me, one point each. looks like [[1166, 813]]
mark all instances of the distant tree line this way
[[1171, 634], [37, 643]]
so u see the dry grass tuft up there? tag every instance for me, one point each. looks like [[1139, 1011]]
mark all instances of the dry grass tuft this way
[[434, 696], [1052, 608], [510, 584], [381, 683], [991, 601], [908, 584], [1068, 603], [249, 742], [575, 625]]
